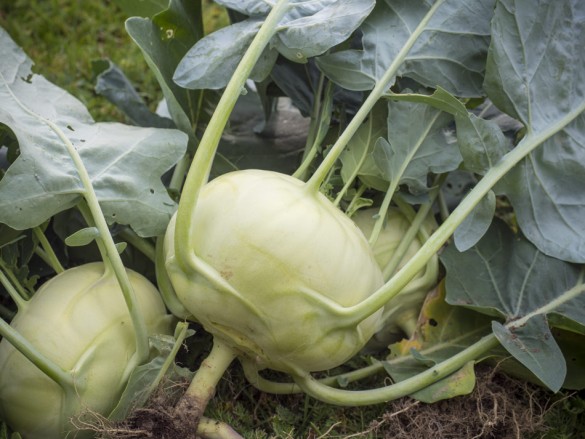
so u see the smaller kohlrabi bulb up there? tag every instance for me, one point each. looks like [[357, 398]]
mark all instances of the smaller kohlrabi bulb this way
[[80, 321], [275, 264], [401, 312]]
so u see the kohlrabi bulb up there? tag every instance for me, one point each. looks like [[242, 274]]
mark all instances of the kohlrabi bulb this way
[[401, 312], [276, 263], [80, 321]]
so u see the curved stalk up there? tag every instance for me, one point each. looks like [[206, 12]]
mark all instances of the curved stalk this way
[[381, 87], [281, 388], [201, 166], [47, 366], [20, 302], [407, 387], [22, 292], [52, 259], [165, 286]]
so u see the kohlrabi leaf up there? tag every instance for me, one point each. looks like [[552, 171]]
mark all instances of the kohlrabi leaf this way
[[442, 331], [164, 40], [415, 149], [124, 163], [534, 346], [505, 275], [247, 7], [210, 63], [450, 53], [476, 224], [536, 73], [308, 29], [116, 88], [357, 158]]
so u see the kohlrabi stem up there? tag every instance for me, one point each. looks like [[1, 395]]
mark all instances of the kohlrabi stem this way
[[192, 404], [214, 429], [283, 388], [142, 345], [14, 280], [165, 286], [47, 366], [356, 169], [380, 88], [20, 302], [201, 166], [377, 300], [321, 113], [407, 387], [416, 225], [51, 256]]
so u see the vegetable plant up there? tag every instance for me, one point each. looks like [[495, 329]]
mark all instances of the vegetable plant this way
[[285, 270]]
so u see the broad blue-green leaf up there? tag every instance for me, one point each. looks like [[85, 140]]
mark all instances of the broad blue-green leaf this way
[[536, 73], [313, 27], [211, 63], [505, 275], [115, 87], [415, 149], [450, 53], [476, 224], [247, 7], [308, 29], [482, 142], [534, 346], [124, 163], [164, 40]]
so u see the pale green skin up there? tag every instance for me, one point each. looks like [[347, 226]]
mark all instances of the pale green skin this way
[[280, 263], [402, 310], [79, 320]]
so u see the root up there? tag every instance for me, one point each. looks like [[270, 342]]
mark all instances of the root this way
[[499, 408]]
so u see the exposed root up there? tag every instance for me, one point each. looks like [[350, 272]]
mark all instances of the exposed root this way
[[499, 408]]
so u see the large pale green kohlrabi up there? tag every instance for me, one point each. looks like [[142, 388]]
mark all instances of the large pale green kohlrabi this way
[[276, 264], [80, 321]]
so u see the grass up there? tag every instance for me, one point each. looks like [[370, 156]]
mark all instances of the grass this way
[[64, 37]]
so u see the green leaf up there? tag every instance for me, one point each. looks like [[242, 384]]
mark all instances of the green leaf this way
[[164, 40], [210, 63], [82, 237], [536, 73], [308, 29], [505, 275], [476, 224], [450, 53], [247, 7], [313, 27], [115, 87], [124, 163], [481, 142], [534, 346], [415, 149]]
